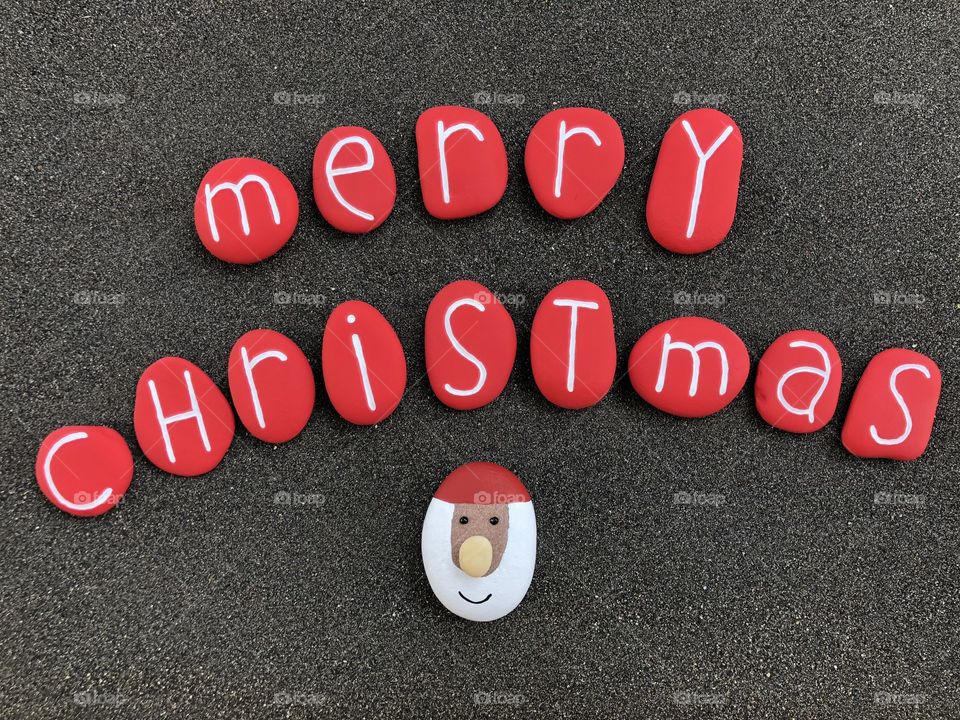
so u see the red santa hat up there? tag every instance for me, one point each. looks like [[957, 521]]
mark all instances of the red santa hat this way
[[482, 483]]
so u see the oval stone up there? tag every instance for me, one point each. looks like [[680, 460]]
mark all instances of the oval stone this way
[[470, 344], [183, 423], [479, 541], [84, 469], [573, 158], [893, 408], [364, 368], [462, 160], [693, 192], [689, 366], [271, 385], [354, 185], [573, 350], [245, 210], [798, 382]]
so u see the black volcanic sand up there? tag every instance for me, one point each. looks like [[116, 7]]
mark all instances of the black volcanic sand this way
[[798, 596]]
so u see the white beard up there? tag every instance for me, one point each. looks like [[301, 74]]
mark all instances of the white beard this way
[[506, 586]]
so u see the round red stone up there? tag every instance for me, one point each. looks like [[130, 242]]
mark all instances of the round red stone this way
[[271, 385], [693, 192], [245, 211], [573, 351], [573, 158], [364, 368], [893, 408], [463, 163], [353, 180], [689, 366], [183, 423], [798, 382], [470, 344], [84, 469]]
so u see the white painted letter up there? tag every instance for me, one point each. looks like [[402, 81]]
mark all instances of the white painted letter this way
[[362, 364], [442, 135], [694, 351], [564, 136], [334, 172], [248, 366], [462, 350], [237, 189], [702, 158], [48, 476], [192, 413], [903, 406], [574, 306], [823, 373]]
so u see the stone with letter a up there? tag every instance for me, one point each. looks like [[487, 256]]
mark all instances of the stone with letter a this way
[[245, 210], [479, 541], [892, 411], [798, 382]]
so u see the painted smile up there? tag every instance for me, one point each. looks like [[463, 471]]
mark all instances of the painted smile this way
[[475, 602]]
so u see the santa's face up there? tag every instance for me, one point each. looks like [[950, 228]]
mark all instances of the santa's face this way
[[479, 557]]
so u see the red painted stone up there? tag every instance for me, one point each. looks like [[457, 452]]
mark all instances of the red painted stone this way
[[271, 385], [798, 382], [84, 469], [188, 428], [463, 163], [663, 366], [234, 215], [572, 346], [353, 180], [573, 158], [364, 368], [679, 218], [470, 344], [892, 411]]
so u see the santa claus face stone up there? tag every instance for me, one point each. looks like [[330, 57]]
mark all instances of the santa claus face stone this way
[[479, 541]]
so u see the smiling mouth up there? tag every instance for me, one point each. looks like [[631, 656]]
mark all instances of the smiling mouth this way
[[475, 602]]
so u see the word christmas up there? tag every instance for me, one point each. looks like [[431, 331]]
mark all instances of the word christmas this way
[[479, 534]]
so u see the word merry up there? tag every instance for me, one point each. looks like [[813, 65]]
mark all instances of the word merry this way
[[246, 209]]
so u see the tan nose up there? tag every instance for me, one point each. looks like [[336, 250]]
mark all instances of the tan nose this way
[[476, 556]]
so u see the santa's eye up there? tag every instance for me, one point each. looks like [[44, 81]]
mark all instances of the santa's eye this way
[[464, 519], [494, 520]]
